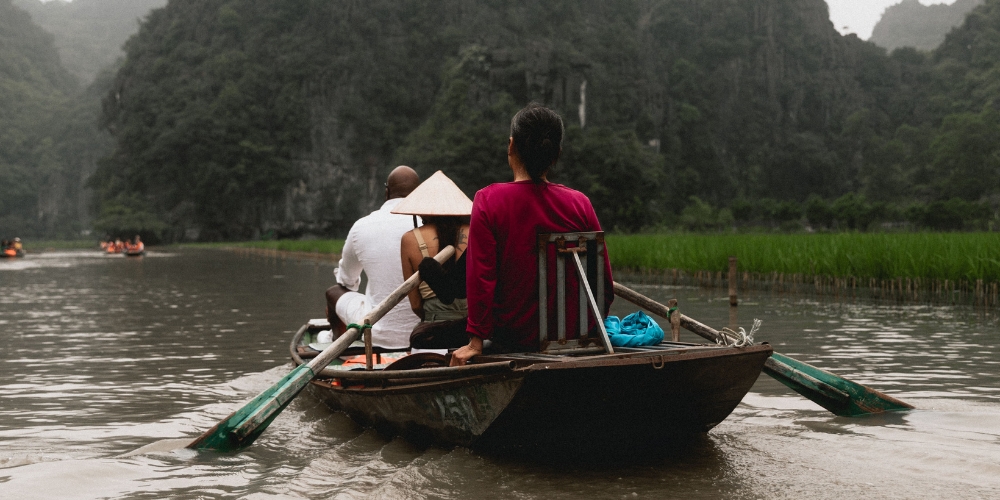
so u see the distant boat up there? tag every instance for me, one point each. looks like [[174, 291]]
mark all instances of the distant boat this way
[[10, 253], [636, 400]]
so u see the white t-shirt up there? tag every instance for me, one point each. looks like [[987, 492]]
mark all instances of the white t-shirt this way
[[372, 245]]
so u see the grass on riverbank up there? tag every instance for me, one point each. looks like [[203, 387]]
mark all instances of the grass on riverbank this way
[[32, 246], [332, 247], [932, 256]]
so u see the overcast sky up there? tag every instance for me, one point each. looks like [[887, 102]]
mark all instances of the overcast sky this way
[[856, 16], [860, 16]]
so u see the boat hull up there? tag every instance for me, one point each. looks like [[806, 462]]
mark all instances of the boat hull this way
[[636, 404], [629, 402]]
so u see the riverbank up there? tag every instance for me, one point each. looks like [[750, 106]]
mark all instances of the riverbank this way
[[931, 256], [901, 265], [912, 266], [328, 247], [36, 246]]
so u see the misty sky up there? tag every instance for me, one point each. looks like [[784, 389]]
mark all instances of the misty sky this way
[[860, 16], [855, 16]]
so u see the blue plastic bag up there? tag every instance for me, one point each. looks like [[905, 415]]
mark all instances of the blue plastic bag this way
[[637, 329]]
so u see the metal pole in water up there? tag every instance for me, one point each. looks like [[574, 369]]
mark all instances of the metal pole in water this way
[[732, 282]]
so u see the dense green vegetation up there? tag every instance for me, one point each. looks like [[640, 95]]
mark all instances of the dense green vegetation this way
[[235, 118], [932, 256], [880, 256], [913, 24], [50, 141], [34, 90]]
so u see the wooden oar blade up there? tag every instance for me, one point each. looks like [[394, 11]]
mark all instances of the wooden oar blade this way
[[240, 429], [837, 394], [243, 426]]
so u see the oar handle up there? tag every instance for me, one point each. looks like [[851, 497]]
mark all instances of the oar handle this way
[[703, 330], [344, 341]]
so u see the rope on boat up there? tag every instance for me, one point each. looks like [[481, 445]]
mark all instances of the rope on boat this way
[[739, 339]]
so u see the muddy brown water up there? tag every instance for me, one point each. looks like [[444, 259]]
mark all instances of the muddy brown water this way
[[101, 356]]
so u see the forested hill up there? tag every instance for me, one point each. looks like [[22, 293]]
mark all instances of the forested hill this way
[[236, 118], [89, 33], [34, 88], [912, 24]]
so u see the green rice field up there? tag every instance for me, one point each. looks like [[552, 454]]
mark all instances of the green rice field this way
[[881, 256], [933, 260]]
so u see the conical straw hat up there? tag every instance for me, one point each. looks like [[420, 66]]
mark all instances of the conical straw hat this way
[[438, 195]]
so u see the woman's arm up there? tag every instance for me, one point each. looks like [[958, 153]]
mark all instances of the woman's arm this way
[[407, 249], [481, 271], [481, 280]]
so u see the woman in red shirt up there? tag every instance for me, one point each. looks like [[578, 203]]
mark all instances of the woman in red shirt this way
[[502, 263]]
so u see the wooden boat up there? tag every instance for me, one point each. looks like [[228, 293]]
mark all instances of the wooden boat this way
[[134, 252], [637, 400]]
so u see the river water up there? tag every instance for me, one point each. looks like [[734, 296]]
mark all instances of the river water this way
[[101, 356]]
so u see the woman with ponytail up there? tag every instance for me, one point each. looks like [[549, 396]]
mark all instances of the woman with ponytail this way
[[502, 259]]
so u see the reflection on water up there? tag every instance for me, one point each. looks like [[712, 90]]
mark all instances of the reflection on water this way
[[103, 355]]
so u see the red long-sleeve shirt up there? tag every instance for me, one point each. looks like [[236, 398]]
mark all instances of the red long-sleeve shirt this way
[[502, 258]]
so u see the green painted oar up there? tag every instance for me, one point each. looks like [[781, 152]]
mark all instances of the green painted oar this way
[[837, 394], [243, 426]]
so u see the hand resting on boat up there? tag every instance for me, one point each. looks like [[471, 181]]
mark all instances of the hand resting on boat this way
[[462, 356]]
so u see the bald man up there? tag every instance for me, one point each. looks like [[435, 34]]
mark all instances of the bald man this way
[[372, 246]]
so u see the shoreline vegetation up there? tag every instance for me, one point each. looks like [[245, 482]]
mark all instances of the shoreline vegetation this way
[[938, 267], [318, 246], [952, 267], [36, 246]]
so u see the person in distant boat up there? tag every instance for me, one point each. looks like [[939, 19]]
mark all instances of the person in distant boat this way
[[439, 301], [506, 219], [137, 245], [17, 245], [372, 246]]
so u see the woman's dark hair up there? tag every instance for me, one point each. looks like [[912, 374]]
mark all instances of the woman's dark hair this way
[[537, 133], [447, 228]]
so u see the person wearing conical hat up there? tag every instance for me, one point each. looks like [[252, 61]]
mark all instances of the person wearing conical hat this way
[[439, 301]]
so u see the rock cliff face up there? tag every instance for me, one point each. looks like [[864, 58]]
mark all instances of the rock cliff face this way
[[34, 89], [240, 117], [923, 27]]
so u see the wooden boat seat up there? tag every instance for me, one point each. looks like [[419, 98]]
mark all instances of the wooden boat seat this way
[[568, 249]]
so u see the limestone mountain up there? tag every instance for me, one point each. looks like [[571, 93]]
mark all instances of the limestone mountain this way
[[89, 33], [238, 118], [913, 24]]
